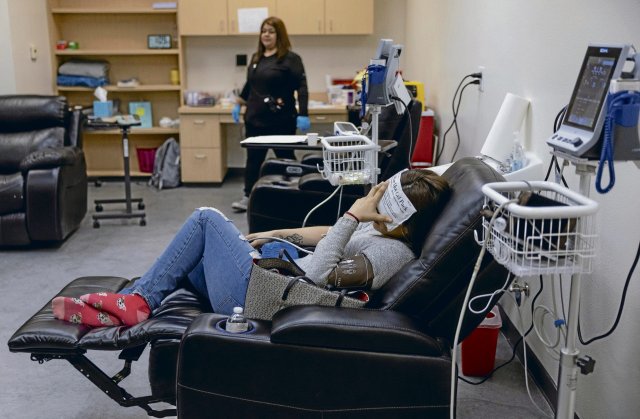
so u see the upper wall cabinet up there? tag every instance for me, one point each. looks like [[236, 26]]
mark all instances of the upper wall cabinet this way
[[203, 17], [236, 6], [302, 17], [348, 17]]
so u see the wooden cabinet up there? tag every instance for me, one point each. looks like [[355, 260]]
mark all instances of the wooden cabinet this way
[[202, 17], [348, 17], [235, 5], [302, 17], [203, 155], [116, 31]]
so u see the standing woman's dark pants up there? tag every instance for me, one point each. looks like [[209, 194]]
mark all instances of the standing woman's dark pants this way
[[255, 156]]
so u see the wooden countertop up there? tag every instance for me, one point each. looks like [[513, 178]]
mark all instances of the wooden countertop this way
[[219, 110]]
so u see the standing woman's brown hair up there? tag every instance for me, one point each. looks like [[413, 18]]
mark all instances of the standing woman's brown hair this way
[[282, 38]]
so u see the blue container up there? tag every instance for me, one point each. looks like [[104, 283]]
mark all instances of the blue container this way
[[102, 109]]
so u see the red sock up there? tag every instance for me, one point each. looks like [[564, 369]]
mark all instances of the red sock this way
[[129, 308], [75, 310]]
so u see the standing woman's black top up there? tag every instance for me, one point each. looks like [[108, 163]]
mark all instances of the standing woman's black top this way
[[275, 80]]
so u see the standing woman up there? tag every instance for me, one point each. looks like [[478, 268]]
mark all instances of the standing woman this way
[[274, 74]]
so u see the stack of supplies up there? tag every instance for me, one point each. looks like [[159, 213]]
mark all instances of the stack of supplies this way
[[83, 73]]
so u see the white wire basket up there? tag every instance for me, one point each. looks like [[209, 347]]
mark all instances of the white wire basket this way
[[349, 159], [548, 230]]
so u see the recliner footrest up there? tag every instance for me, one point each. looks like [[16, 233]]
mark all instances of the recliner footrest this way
[[43, 334]]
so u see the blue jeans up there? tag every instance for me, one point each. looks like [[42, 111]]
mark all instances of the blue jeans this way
[[212, 253]]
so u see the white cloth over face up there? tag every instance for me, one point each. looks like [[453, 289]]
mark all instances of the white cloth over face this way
[[395, 203]]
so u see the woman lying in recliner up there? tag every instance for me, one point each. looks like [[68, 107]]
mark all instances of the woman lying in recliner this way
[[217, 259]]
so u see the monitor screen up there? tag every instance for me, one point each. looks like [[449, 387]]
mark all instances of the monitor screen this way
[[591, 88]]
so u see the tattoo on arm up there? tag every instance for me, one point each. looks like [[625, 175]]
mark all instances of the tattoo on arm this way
[[295, 238]]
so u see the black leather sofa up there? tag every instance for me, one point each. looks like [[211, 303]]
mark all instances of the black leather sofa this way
[[287, 190], [43, 176], [389, 360]]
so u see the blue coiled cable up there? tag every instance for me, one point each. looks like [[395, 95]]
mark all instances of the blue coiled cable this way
[[615, 114]]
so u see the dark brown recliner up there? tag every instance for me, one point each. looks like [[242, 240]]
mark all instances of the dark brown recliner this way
[[390, 360], [287, 190], [43, 176]]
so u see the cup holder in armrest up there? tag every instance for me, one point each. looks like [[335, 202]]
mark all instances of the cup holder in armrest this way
[[221, 325]]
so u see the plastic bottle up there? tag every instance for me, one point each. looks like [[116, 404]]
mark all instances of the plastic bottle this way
[[517, 158], [237, 323]]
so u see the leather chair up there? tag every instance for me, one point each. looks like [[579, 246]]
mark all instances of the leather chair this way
[[43, 176], [287, 190], [389, 360]]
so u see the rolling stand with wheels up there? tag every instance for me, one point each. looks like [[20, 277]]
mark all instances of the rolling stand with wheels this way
[[124, 124]]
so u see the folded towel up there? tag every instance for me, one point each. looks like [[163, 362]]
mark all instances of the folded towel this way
[[86, 68], [81, 81]]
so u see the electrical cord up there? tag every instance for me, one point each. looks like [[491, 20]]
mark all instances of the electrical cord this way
[[620, 308], [406, 109], [454, 123], [283, 241], [441, 144], [554, 161], [306, 218]]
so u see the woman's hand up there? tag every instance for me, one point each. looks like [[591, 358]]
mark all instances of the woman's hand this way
[[366, 208], [235, 113], [303, 123], [257, 243]]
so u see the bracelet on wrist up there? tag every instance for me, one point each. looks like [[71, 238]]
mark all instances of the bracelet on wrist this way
[[353, 216]]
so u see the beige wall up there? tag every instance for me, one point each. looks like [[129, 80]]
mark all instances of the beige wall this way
[[28, 26], [7, 80], [534, 49]]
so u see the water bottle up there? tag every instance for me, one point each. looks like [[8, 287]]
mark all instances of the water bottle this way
[[517, 157], [237, 323]]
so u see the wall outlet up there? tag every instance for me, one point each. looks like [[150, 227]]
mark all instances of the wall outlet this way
[[33, 52], [482, 73]]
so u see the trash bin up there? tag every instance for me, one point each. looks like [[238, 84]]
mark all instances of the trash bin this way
[[146, 157], [478, 350]]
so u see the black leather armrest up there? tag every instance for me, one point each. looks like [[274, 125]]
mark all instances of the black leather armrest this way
[[48, 158], [353, 329]]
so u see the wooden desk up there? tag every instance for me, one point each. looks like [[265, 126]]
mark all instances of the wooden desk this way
[[203, 148]]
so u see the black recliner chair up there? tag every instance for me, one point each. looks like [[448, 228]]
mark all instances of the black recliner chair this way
[[389, 360], [287, 190], [43, 176]]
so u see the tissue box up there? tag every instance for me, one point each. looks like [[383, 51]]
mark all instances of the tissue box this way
[[102, 109]]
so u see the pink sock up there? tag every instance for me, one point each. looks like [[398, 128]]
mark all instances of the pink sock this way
[[129, 308], [75, 310]]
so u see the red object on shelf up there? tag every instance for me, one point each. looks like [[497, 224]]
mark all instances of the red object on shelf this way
[[423, 154], [478, 350], [146, 158]]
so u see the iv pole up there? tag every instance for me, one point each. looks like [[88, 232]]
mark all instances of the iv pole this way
[[569, 361]]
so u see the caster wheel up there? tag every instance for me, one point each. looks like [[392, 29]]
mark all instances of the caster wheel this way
[[140, 205], [99, 208], [143, 222], [96, 224]]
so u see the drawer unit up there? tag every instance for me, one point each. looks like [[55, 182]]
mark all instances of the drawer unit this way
[[203, 164], [200, 130]]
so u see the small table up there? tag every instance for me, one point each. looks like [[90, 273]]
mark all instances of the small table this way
[[124, 123]]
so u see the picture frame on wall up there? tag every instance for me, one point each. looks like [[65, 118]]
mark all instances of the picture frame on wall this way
[[159, 41]]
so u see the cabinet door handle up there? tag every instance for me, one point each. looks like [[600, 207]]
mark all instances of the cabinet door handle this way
[[200, 156], [319, 26], [321, 118], [331, 25], [222, 26], [199, 122], [233, 25]]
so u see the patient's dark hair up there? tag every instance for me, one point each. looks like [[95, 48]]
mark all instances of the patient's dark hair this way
[[428, 193]]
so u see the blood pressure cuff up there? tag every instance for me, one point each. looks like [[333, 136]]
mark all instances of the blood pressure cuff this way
[[355, 273]]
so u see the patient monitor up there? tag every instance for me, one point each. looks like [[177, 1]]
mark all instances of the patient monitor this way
[[582, 123]]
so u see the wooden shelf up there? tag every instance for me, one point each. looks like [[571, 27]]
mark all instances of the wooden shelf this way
[[110, 88], [80, 52], [132, 11], [134, 131]]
